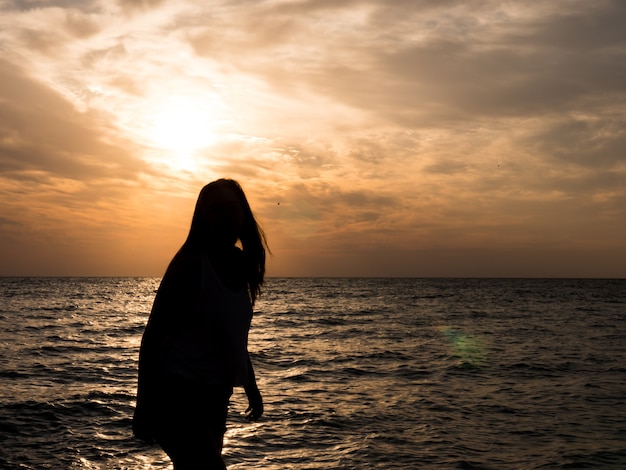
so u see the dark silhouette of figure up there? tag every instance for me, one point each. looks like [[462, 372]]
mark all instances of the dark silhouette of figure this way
[[194, 348]]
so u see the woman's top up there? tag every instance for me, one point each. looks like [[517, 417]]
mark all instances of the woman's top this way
[[213, 348]]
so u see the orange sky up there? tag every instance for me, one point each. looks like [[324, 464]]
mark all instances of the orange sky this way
[[373, 138]]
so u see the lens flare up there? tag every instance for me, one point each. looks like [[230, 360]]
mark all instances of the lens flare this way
[[467, 348]]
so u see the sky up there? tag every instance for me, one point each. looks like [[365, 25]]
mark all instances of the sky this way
[[426, 138]]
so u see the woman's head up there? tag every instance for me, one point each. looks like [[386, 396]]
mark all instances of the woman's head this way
[[221, 218], [220, 212]]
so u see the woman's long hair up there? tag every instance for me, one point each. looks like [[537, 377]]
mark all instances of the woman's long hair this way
[[251, 237]]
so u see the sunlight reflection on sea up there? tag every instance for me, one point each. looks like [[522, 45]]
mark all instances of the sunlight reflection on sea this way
[[356, 373]]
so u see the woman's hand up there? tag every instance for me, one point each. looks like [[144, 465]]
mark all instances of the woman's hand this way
[[255, 400], [255, 403]]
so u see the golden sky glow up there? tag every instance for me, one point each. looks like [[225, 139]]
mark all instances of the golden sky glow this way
[[373, 137]]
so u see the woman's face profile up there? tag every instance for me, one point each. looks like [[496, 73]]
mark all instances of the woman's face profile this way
[[224, 215]]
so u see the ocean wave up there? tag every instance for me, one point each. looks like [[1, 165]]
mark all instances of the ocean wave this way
[[362, 373]]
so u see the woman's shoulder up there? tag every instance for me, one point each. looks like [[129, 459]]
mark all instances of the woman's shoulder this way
[[184, 267]]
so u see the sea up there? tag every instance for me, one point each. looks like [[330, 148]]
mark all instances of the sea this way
[[355, 373]]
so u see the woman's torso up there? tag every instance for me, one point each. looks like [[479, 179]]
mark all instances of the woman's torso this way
[[212, 348]]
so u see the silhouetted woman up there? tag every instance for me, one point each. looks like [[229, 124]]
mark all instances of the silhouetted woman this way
[[195, 346]]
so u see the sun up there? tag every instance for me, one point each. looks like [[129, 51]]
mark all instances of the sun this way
[[183, 124]]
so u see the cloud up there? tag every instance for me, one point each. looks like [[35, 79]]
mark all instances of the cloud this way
[[139, 4], [415, 137], [65, 180], [589, 142], [42, 131]]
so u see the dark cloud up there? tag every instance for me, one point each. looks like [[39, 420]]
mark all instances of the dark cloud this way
[[71, 25], [591, 143], [80, 26], [131, 5], [491, 76], [583, 28], [44, 42], [469, 62], [34, 4], [324, 201], [447, 166]]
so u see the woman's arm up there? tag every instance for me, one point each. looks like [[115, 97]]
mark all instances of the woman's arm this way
[[172, 306], [255, 400]]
